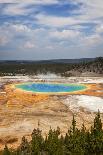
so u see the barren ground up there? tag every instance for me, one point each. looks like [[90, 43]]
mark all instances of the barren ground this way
[[19, 116]]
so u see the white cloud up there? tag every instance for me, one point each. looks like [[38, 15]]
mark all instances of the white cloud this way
[[3, 40], [92, 9], [94, 40], [29, 45], [91, 40], [92, 3], [49, 47], [16, 9], [31, 1], [46, 38], [21, 28], [13, 32], [55, 21], [5, 35], [10, 31], [99, 28], [64, 34]]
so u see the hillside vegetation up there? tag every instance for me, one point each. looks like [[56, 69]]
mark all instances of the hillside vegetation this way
[[92, 68], [75, 142], [63, 68]]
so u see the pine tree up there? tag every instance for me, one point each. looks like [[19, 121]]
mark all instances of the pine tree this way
[[97, 123], [6, 151], [73, 125], [96, 138], [75, 142], [24, 147], [54, 145], [37, 142]]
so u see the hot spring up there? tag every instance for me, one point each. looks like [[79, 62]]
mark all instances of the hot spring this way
[[50, 87]]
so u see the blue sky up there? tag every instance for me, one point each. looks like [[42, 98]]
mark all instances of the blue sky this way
[[50, 29]]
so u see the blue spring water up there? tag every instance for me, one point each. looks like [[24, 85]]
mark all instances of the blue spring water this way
[[50, 87]]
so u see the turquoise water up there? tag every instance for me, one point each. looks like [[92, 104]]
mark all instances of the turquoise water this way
[[50, 87]]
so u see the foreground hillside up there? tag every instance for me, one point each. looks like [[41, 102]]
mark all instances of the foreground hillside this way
[[75, 142], [92, 68]]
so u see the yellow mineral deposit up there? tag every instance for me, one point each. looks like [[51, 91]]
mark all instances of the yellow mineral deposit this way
[[20, 98], [21, 110]]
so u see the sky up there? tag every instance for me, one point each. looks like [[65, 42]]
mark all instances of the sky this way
[[50, 29]]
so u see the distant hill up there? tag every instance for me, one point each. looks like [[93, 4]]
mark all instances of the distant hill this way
[[90, 68], [65, 61], [64, 67]]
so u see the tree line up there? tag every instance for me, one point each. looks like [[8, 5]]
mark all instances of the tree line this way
[[32, 68], [75, 142]]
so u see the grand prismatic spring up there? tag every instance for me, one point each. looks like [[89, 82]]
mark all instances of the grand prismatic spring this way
[[51, 102], [50, 87]]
